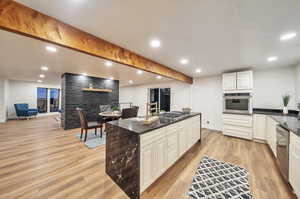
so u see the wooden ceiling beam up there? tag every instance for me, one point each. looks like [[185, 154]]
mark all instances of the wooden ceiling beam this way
[[20, 19]]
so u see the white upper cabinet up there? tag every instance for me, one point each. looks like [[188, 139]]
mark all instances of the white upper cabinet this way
[[229, 81], [244, 80], [238, 81]]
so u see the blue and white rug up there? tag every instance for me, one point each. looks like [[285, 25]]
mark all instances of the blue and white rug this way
[[93, 140], [219, 180]]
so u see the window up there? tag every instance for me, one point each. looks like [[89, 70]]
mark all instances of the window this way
[[42, 100], [54, 99], [48, 99], [162, 96]]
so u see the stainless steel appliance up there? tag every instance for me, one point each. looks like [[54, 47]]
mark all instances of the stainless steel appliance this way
[[282, 147], [237, 103]]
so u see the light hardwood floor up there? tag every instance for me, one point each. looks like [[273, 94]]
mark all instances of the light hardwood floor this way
[[40, 160]]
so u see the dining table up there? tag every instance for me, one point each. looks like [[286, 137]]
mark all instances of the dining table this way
[[114, 115]]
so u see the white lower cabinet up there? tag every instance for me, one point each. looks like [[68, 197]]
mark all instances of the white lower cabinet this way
[[259, 127], [294, 163], [238, 125], [147, 163], [172, 147], [271, 134], [161, 148], [182, 141]]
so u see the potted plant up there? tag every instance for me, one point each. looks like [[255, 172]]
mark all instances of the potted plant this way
[[285, 99]]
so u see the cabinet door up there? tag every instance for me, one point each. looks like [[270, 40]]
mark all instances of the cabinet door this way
[[244, 80], [229, 81], [294, 162], [147, 163], [190, 134], [182, 141], [172, 148], [271, 134], [259, 127], [159, 158], [197, 129]]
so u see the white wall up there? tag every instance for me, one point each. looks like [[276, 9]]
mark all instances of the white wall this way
[[271, 84], [207, 98], [138, 95], [24, 92], [4, 94]]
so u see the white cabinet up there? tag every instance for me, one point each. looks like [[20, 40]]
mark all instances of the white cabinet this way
[[229, 81], [294, 162], [161, 148], [172, 147], [238, 81], [244, 80], [182, 141], [147, 162], [158, 158], [259, 127], [271, 134], [238, 125]]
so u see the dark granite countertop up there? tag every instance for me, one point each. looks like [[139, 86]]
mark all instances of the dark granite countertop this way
[[274, 112], [289, 121], [136, 126]]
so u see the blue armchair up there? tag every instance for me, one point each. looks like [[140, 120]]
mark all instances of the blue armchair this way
[[22, 110]]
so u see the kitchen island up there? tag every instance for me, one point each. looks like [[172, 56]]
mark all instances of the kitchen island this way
[[137, 154]]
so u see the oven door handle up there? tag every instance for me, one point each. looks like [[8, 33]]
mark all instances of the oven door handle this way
[[240, 97]]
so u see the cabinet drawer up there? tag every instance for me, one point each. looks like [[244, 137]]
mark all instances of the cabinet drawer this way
[[238, 120], [238, 131], [153, 136]]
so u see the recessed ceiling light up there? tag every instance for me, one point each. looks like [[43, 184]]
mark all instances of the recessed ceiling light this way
[[108, 63], [51, 49], [39, 81], [42, 76], [158, 77], [155, 43], [288, 36], [44, 68], [271, 59], [130, 82], [111, 78], [198, 70], [139, 72], [84, 74], [184, 61]]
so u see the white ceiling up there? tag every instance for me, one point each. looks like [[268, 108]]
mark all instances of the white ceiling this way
[[21, 58], [215, 35]]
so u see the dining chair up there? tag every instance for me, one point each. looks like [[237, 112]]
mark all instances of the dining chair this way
[[129, 112], [85, 125], [105, 107]]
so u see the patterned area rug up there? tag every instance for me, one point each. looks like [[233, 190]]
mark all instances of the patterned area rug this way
[[219, 180], [93, 140]]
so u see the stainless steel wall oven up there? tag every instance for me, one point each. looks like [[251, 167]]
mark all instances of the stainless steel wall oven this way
[[237, 103]]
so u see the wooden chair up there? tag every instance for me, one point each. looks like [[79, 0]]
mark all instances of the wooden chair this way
[[85, 125], [129, 112]]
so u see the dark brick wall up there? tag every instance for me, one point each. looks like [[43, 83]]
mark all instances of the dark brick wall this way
[[73, 96]]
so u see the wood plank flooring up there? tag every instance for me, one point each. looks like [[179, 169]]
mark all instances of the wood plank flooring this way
[[40, 160]]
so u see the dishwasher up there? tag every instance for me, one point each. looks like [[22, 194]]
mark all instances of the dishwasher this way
[[282, 148]]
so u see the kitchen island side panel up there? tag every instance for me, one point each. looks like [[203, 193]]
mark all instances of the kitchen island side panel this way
[[122, 159]]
